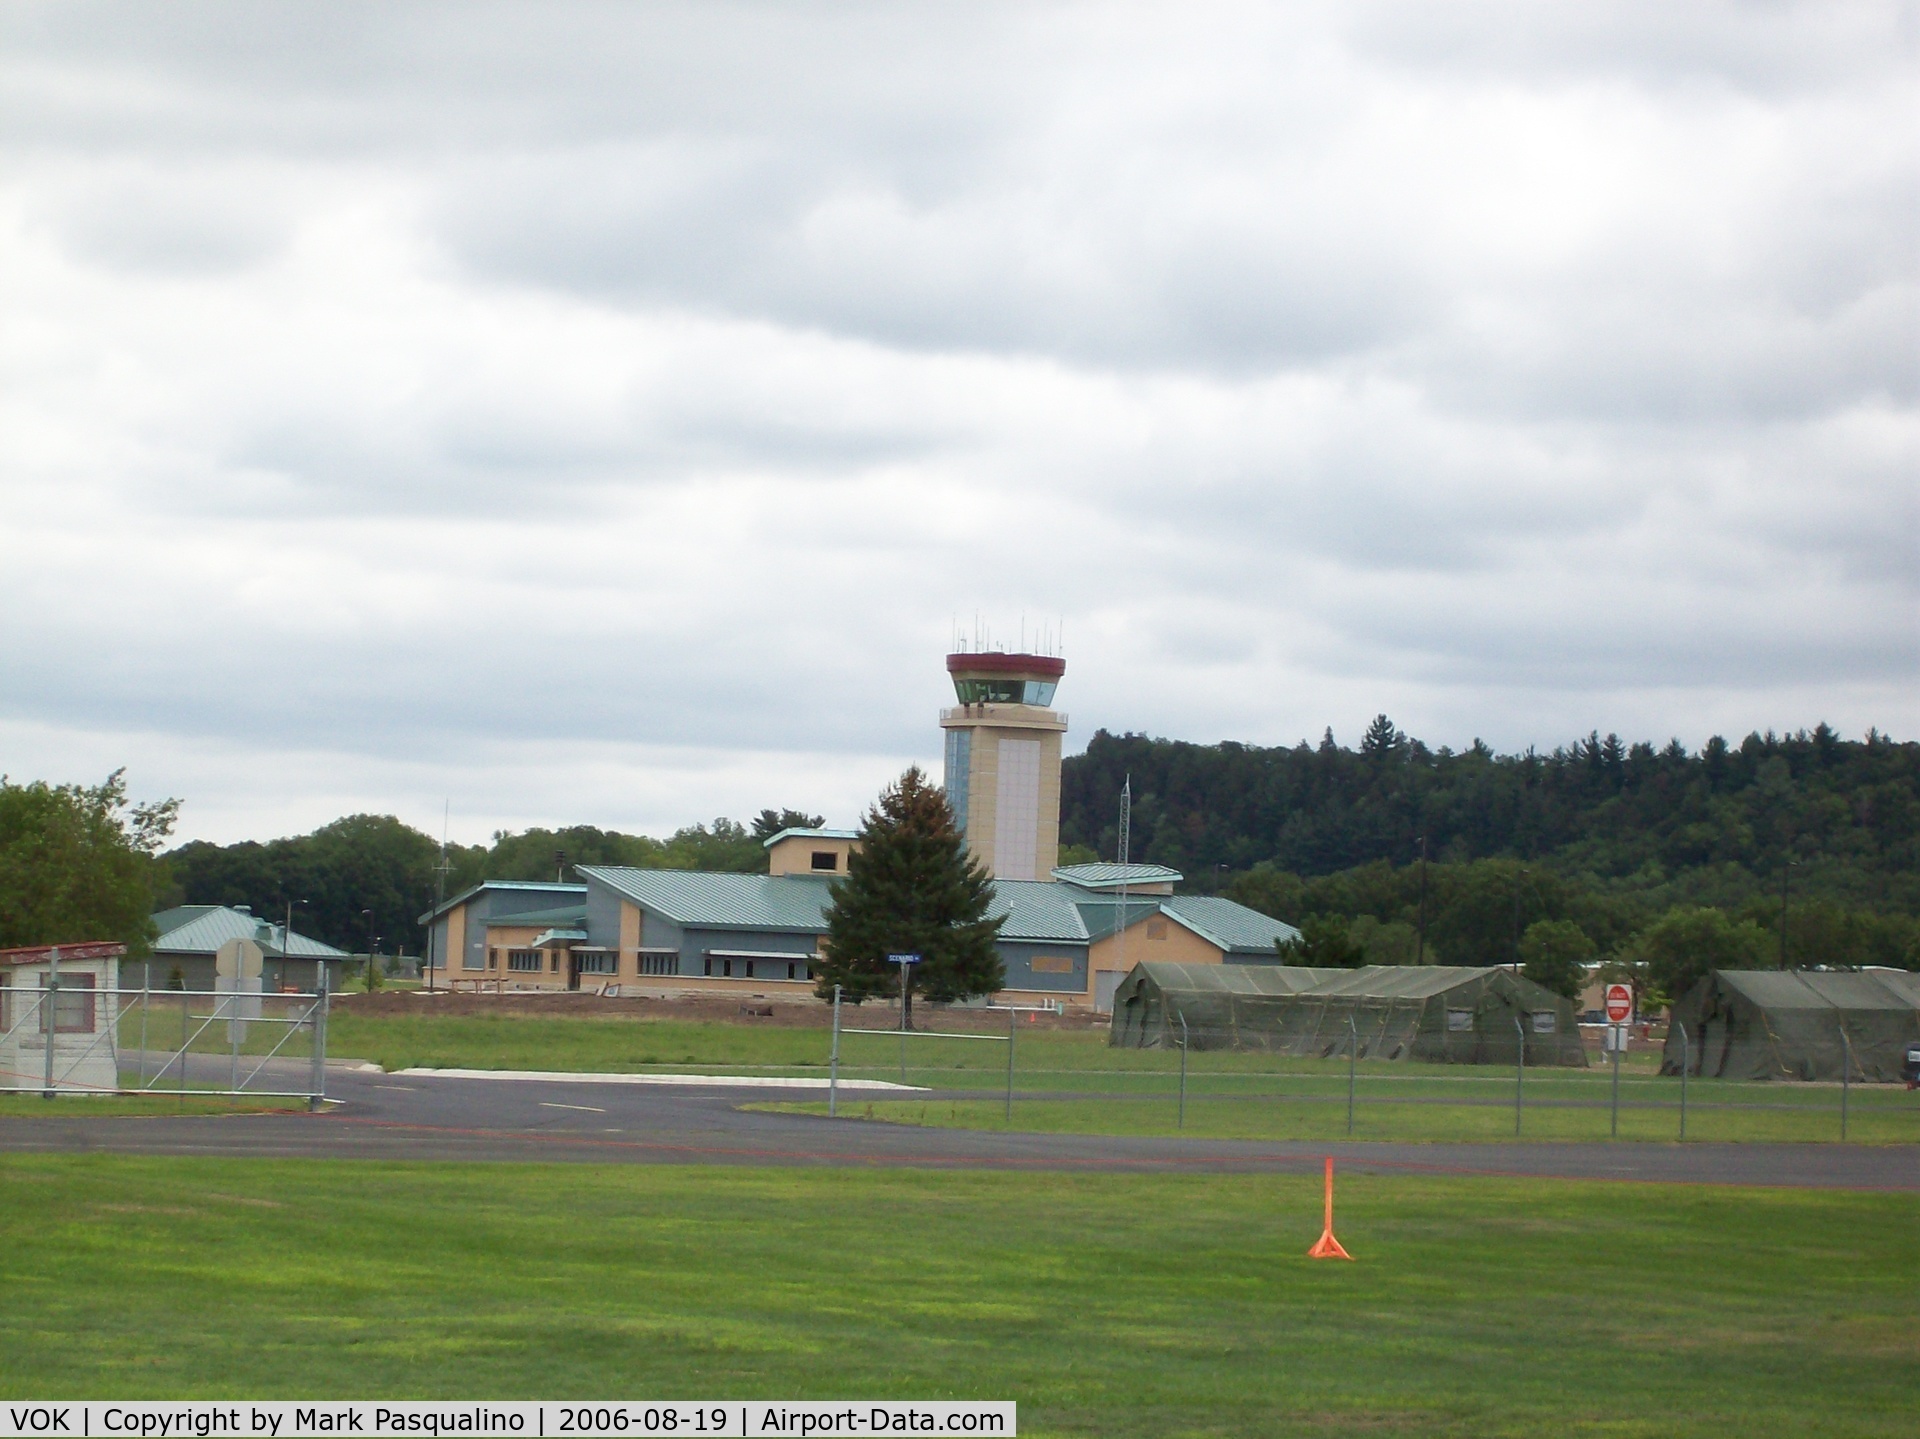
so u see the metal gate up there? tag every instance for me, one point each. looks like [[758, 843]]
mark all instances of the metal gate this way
[[72, 1040]]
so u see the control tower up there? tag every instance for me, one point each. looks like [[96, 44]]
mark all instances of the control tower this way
[[1003, 760]]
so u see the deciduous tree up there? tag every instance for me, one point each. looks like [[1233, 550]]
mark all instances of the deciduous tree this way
[[76, 863]]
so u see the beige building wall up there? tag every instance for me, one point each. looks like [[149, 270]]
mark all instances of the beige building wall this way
[[794, 855], [991, 726], [1152, 937], [454, 960]]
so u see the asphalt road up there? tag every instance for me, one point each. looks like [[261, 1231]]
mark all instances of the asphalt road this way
[[425, 1117]]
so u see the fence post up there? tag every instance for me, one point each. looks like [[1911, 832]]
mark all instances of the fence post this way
[[833, 1060], [318, 1084], [146, 1003], [50, 1014], [1012, 1029], [1617, 1034], [1686, 1061], [1519, 1071], [1353, 1066], [1846, 1072], [1183, 1071]]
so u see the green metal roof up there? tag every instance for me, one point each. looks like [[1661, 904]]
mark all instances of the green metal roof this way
[[1034, 909], [203, 928], [466, 894], [772, 840], [1109, 876], [1037, 909], [722, 901], [1228, 923], [1224, 923]]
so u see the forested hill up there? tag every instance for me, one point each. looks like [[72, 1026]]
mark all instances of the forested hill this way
[[1714, 826]]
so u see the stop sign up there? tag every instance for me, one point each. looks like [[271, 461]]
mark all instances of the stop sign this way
[[1619, 1003]]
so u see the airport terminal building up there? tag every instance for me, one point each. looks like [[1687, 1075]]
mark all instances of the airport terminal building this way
[[1068, 934]]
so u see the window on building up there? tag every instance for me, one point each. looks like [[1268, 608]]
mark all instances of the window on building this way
[[72, 1008], [797, 970], [660, 964], [493, 959], [553, 962], [525, 961], [1460, 1021], [599, 961], [1544, 1021], [1052, 964], [826, 859], [959, 764]]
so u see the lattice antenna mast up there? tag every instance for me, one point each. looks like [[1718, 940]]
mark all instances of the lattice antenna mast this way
[[1126, 824]]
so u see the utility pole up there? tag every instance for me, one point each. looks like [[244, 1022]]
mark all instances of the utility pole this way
[[1126, 824], [1420, 945], [1516, 919], [439, 891], [1786, 870]]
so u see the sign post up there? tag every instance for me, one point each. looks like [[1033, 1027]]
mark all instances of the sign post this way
[[1619, 1002], [906, 963]]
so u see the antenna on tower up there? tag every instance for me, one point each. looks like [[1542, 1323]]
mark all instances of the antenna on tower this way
[[439, 887]]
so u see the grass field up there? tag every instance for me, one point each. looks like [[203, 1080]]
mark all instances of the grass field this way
[[67, 1106], [1108, 1305], [1250, 1096], [1885, 1117]]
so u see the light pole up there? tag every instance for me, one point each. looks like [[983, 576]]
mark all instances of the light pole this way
[[1786, 872], [286, 940]]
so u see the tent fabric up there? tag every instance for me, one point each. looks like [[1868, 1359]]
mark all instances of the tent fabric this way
[[1450, 1014], [1790, 1023]]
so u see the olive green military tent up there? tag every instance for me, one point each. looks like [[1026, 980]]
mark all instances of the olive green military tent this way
[[1789, 1023], [1448, 1014]]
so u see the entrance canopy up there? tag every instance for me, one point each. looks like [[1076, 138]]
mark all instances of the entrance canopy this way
[[1450, 1014]]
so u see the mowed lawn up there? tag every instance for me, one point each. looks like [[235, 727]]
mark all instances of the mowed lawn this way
[[1232, 1095], [1414, 1114], [1103, 1304]]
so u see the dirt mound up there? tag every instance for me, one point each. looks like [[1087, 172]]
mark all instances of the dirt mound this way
[[783, 1011]]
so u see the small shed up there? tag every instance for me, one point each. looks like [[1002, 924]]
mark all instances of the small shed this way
[[84, 1014], [1789, 1023], [1448, 1014]]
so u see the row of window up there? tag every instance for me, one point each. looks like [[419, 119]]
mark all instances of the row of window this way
[[607, 962], [727, 968]]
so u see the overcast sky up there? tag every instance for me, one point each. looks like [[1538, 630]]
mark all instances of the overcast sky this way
[[601, 414]]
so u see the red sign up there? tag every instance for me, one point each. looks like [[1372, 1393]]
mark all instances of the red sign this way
[[1619, 1003]]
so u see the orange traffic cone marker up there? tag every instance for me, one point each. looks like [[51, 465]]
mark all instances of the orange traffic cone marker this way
[[1328, 1247]]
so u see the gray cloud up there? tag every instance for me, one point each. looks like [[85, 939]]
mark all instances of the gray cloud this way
[[602, 414]]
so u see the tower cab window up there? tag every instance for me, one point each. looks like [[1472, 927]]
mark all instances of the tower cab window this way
[[826, 859]]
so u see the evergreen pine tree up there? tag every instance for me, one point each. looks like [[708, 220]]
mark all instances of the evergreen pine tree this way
[[911, 888]]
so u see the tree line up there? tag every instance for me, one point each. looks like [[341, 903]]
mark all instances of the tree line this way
[[1800, 849]]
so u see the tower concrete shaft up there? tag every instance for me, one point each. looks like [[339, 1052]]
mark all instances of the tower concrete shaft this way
[[1003, 760]]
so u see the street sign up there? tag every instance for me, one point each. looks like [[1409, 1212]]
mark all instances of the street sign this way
[[1619, 1003], [903, 959]]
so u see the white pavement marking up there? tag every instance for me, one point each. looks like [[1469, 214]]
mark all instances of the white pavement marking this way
[[718, 1081], [583, 1108]]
